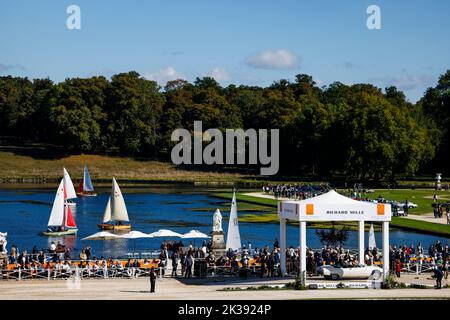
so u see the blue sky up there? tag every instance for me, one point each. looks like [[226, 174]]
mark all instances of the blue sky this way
[[248, 42]]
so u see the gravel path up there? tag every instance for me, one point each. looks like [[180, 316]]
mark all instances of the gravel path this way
[[172, 289]]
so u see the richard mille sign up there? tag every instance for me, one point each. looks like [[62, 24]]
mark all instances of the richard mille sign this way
[[344, 212]]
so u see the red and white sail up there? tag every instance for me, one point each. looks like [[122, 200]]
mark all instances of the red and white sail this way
[[68, 216], [61, 214]]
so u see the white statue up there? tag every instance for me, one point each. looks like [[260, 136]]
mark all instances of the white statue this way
[[3, 243], [217, 221]]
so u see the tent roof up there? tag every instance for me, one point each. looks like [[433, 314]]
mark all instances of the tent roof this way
[[135, 235], [102, 235], [332, 206], [193, 234], [165, 233], [331, 197]]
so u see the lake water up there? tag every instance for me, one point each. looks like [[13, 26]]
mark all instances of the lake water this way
[[25, 212]]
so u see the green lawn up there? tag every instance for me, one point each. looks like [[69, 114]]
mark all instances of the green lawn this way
[[420, 197], [421, 226], [248, 199], [423, 198]]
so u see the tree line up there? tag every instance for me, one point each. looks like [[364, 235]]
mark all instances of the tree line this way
[[355, 130]]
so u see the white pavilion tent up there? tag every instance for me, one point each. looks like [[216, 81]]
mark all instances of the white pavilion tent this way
[[332, 206]]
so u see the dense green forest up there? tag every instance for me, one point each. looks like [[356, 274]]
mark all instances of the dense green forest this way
[[355, 130]]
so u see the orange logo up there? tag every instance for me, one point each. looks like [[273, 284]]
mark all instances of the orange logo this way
[[309, 209], [380, 209]]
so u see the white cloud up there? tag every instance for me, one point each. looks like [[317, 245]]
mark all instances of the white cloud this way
[[220, 74], [351, 65], [278, 59], [405, 81], [9, 67], [164, 75]]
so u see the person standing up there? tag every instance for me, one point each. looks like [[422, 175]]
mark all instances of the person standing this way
[[174, 264], [189, 263], [88, 252], [406, 207], [263, 264], [398, 268], [152, 280], [438, 274], [445, 268]]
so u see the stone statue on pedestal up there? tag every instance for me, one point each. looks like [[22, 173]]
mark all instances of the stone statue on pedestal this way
[[218, 239], [217, 221], [3, 242]]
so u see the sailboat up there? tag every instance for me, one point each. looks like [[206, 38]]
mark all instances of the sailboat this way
[[61, 220], [85, 188], [115, 216], [233, 236], [372, 242], [71, 194]]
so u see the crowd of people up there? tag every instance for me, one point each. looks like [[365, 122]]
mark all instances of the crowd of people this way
[[294, 191], [201, 261], [436, 256], [439, 209]]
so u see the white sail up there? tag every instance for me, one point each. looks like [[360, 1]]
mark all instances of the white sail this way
[[372, 242], [107, 213], [233, 236], [70, 189], [87, 182], [57, 214], [118, 208]]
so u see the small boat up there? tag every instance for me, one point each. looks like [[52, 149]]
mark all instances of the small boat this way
[[85, 188], [233, 235], [71, 194], [115, 216], [61, 221]]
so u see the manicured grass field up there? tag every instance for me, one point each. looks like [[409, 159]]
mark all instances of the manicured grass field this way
[[249, 199], [421, 226], [423, 198]]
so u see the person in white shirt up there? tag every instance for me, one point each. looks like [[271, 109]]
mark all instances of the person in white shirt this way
[[66, 269]]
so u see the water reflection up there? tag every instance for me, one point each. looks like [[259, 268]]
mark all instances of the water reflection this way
[[23, 216]]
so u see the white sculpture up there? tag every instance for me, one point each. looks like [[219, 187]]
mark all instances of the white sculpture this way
[[3, 243], [217, 221], [438, 181]]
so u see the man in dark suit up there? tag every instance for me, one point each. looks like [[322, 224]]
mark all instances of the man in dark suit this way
[[174, 263], [438, 275], [152, 280]]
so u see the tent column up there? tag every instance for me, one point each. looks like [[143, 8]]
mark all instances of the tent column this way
[[303, 250], [385, 249], [361, 242], [283, 246]]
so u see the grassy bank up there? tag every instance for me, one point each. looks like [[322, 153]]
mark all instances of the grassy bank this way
[[421, 226], [22, 167]]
